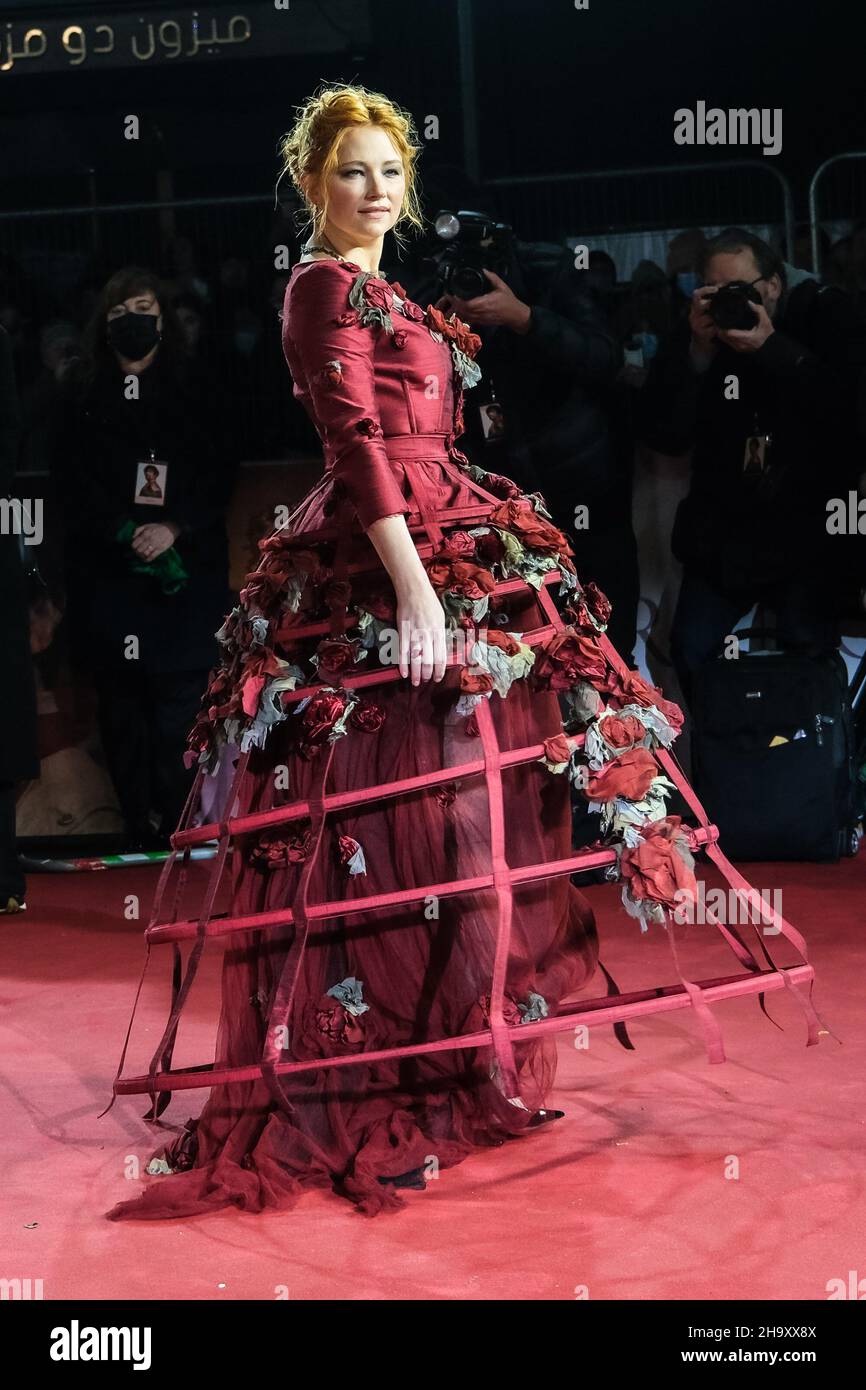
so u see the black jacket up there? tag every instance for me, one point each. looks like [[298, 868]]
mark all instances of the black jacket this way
[[802, 386], [98, 439], [18, 748], [566, 435]]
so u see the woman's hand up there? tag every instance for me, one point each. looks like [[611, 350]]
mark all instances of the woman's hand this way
[[155, 537], [421, 633], [420, 615]]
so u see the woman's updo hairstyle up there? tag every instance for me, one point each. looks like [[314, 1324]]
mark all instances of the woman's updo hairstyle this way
[[311, 149]]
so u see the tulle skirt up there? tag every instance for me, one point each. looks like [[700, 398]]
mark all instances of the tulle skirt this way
[[344, 983]]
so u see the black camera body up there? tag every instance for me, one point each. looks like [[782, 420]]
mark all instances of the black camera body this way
[[473, 243], [729, 306]]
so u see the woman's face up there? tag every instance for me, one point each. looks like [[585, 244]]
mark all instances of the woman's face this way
[[366, 190], [142, 303]]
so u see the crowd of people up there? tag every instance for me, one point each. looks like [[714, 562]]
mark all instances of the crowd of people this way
[[773, 413]]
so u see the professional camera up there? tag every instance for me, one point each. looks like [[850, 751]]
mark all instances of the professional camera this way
[[729, 306], [473, 243]]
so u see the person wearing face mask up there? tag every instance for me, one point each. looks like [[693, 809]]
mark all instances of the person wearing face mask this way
[[790, 381], [683, 258], [143, 475]]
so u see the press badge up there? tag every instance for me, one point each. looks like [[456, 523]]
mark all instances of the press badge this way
[[151, 476], [492, 421]]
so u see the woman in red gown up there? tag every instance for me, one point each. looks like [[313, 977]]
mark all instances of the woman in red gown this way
[[399, 625]]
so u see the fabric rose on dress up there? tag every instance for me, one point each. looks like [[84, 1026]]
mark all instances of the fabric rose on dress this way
[[474, 682], [368, 427], [378, 294], [598, 603], [557, 753], [454, 329], [490, 547], [337, 1025], [506, 641], [338, 654], [256, 671], [335, 1022], [201, 745], [347, 319], [331, 374], [503, 656], [322, 715], [621, 732], [628, 777], [568, 657], [459, 576], [351, 854], [457, 546], [399, 338], [520, 517], [500, 486], [367, 716], [632, 688], [590, 608], [277, 849], [413, 311], [657, 868]]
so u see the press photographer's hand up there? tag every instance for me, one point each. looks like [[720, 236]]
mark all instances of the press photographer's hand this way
[[500, 307], [749, 339], [704, 330]]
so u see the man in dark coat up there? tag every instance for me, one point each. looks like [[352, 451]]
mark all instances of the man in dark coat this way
[[771, 412], [553, 360], [19, 759]]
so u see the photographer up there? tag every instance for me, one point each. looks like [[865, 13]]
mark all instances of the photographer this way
[[552, 360], [762, 381]]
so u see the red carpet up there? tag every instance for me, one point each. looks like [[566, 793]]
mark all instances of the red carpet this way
[[631, 1196]]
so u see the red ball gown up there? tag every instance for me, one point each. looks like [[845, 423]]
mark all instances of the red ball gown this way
[[404, 939]]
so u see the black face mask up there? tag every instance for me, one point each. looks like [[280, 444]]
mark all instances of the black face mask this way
[[133, 335]]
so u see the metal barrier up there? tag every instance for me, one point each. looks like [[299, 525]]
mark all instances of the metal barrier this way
[[846, 198], [54, 253], [656, 198]]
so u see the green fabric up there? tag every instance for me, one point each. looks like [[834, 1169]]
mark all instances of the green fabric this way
[[168, 567]]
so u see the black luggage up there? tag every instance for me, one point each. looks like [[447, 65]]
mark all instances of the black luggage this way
[[774, 754]]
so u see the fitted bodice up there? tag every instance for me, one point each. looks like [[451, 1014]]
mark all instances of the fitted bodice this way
[[366, 368]]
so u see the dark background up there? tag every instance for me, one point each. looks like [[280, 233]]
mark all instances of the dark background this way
[[556, 90]]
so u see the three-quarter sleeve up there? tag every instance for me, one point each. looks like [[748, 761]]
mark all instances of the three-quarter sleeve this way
[[336, 354]]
